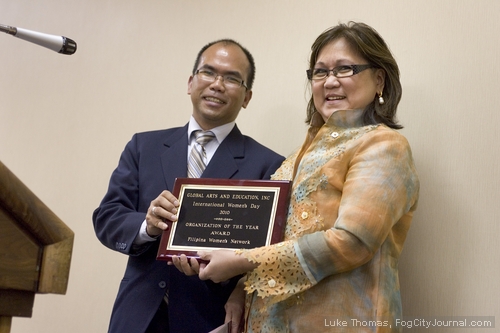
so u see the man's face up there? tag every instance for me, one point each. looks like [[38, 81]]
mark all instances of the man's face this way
[[214, 103]]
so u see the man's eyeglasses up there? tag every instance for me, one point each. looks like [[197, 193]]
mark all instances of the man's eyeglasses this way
[[339, 71], [229, 81]]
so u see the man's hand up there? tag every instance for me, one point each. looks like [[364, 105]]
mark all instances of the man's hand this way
[[163, 208], [185, 265]]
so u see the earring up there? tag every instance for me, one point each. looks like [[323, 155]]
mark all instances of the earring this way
[[380, 98]]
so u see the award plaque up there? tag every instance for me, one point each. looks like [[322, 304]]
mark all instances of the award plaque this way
[[225, 214]]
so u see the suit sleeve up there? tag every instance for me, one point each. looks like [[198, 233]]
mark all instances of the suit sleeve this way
[[273, 167], [117, 220]]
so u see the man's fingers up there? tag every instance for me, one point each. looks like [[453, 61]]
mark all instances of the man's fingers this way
[[164, 211], [162, 225], [169, 203], [184, 264], [195, 265], [164, 207], [170, 197]]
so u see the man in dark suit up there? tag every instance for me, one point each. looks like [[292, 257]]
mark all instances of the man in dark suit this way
[[154, 297]]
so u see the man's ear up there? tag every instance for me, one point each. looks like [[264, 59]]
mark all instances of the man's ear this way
[[248, 97], [190, 83]]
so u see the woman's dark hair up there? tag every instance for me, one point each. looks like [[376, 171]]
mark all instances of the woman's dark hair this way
[[367, 43]]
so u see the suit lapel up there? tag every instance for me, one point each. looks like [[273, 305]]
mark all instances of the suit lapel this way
[[174, 159], [222, 164]]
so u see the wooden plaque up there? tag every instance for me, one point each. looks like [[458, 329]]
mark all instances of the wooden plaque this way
[[225, 214]]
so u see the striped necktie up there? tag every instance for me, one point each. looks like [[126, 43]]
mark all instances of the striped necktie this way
[[197, 157]]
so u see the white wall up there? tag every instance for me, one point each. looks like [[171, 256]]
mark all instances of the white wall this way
[[64, 121]]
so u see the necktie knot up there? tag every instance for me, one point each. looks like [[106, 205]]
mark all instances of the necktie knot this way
[[204, 137], [197, 157]]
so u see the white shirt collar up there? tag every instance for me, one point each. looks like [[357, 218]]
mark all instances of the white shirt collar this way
[[221, 132]]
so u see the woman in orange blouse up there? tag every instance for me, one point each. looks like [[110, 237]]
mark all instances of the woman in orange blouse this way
[[354, 192]]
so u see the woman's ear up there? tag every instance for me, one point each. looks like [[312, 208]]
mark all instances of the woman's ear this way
[[380, 79]]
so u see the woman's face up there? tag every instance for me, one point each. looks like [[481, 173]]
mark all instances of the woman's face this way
[[354, 92]]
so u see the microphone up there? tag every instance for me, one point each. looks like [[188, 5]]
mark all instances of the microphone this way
[[59, 44]]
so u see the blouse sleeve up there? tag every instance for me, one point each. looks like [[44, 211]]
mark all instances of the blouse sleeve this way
[[279, 274], [379, 186]]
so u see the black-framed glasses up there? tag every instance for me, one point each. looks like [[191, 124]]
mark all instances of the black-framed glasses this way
[[339, 71], [229, 80]]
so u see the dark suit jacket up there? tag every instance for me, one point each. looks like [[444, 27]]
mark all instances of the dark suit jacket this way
[[149, 164]]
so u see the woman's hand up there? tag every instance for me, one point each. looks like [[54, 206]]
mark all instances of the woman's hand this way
[[235, 307], [164, 207], [223, 265]]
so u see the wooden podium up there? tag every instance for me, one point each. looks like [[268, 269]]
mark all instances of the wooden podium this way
[[35, 250]]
